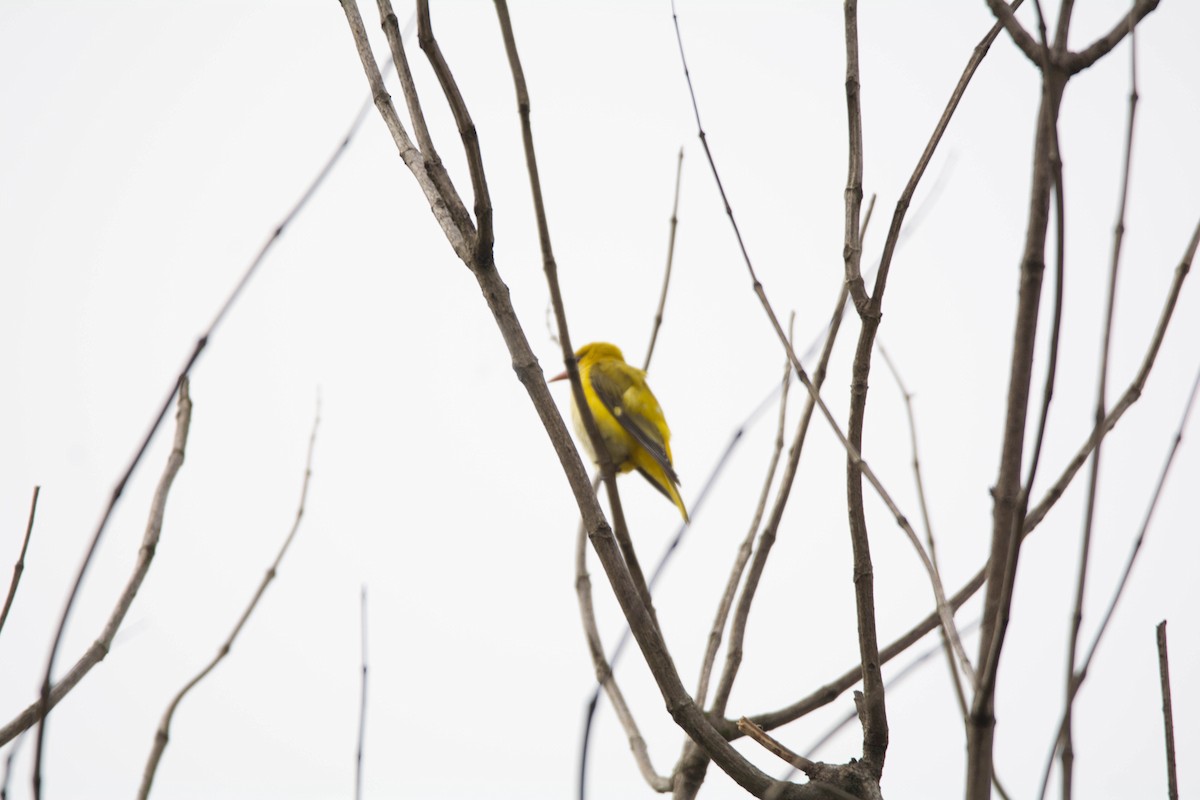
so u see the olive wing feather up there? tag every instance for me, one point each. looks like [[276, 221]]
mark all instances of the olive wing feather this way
[[625, 395]]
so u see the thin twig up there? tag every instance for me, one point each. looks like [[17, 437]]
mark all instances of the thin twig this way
[[1080, 675], [449, 218], [1055, 162], [362, 703], [99, 648], [773, 746], [19, 567], [162, 735], [1066, 741], [1077, 62], [955, 679], [902, 204], [1164, 673], [604, 674], [815, 771], [662, 298], [852, 249], [433, 162], [466, 127], [8, 765], [1009, 504], [1021, 37]]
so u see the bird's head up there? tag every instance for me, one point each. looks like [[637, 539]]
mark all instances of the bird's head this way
[[591, 353]]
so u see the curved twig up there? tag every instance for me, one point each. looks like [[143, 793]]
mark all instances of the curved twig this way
[[1077, 62], [1168, 715], [99, 649], [19, 567], [484, 236], [1066, 739], [604, 674], [448, 217], [953, 654], [662, 298], [433, 162], [162, 735], [852, 249]]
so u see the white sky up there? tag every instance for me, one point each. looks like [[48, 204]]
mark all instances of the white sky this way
[[148, 149]]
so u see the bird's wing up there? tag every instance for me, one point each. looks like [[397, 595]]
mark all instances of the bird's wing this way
[[624, 393]]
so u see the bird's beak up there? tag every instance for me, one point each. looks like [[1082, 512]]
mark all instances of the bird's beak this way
[[562, 376]]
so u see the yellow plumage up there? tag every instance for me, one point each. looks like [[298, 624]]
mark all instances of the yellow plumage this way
[[628, 416]]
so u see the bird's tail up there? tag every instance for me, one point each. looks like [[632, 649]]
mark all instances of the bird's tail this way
[[657, 476]]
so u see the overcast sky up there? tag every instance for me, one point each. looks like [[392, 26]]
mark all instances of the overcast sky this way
[[149, 149]]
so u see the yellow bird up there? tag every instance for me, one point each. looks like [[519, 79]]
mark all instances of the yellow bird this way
[[628, 416]]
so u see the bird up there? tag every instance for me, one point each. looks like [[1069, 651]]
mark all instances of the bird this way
[[628, 416]]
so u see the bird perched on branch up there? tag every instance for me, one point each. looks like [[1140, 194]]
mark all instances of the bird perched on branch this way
[[628, 416]]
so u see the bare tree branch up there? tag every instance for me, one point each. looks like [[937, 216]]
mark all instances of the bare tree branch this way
[[51, 695], [1066, 740], [1077, 62], [1168, 716], [873, 708], [662, 298], [604, 673], [433, 162], [162, 735], [1021, 37], [1134, 391], [1009, 508], [852, 249], [19, 567], [772, 745], [896, 228], [8, 765], [448, 218], [954, 650], [466, 127]]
